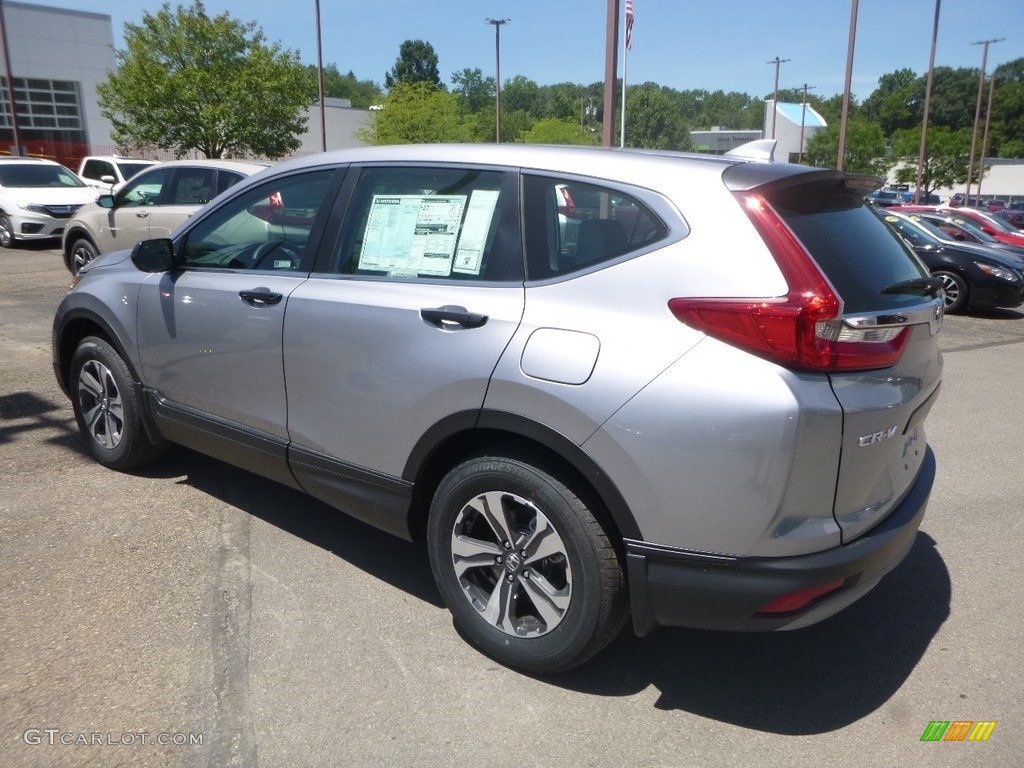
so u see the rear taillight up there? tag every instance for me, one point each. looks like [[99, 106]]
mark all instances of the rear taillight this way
[[803, 330]]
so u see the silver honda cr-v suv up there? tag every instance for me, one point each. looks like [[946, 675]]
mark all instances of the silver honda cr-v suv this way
[[597, 384]]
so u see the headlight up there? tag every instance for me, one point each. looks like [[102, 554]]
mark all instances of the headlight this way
[[1003, 273], [36, 209]]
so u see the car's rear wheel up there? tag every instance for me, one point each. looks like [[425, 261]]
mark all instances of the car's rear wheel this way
[[6, 231], [955, 288], [528, 573], [82, 254], [106, 407]]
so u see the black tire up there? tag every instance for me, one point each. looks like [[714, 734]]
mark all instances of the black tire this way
[[955, 288], [106, 407], [6, 231], [80, 255], [555, 548]]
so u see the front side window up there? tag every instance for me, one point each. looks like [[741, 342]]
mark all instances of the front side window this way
[[144, 189], [572, 226], [432, 223], [191, 186], [266, 228]]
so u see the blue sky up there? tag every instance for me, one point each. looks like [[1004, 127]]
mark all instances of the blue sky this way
[[684, 44]]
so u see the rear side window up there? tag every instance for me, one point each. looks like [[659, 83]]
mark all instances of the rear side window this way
[[97, 169], [852, 246], [572, 225], [426, 223]]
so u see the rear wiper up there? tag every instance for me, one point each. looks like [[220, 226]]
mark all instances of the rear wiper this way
[[929, 286]]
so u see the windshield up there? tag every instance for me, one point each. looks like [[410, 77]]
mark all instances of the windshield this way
[[38, 176], [974, 229], [130, 169], [1000, 224], [913, 231]]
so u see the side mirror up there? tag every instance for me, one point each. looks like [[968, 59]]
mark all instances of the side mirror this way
[[154, 255], [105, 201], [109, 180]]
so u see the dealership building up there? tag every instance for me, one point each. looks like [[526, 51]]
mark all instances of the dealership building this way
[[59, 56]]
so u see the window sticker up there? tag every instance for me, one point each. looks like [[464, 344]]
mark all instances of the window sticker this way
[[469, 256], [409, 235]]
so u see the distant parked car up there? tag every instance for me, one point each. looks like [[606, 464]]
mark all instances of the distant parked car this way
[[108, 173], [989, 222], [973, 276], [37, 197], [1016, 218], [150, 205]]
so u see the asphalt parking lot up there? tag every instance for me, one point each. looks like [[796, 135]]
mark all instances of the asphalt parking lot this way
[[195, 615]]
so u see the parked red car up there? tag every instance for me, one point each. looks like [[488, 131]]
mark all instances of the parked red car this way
[[1016, 218]]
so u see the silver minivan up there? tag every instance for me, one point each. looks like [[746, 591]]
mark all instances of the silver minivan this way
[[704, 408]]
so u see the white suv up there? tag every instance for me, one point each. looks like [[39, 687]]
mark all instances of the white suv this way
[[37, 197]]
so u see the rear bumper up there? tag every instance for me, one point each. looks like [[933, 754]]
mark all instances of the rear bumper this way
[[675, 588]]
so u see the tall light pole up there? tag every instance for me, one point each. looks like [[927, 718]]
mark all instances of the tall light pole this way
[[320, 78], [850, 45], [927, 107], [984, 141], [498, 23], [977, 112], [775, 99], [803, 120], [10, 82]]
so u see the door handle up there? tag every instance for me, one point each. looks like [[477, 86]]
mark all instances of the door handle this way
[[449, 314], [261, 296], [142, 214]]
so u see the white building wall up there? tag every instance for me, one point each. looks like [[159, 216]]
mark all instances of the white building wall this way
[[63, 44]]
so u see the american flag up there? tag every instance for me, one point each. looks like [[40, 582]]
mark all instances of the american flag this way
[[629, 25]]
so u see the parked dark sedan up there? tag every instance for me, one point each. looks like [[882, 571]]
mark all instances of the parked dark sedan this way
[[973, 276], [964, 230]]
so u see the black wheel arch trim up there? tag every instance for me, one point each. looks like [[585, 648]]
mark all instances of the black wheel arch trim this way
[[64, 349], [435, 439]]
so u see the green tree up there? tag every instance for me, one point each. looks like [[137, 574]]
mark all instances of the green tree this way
[[652, 122], [187, 81], [945, 163], [898, 102], [522, 94], [1008, 110], [954, 97], [551, 130], [865, 147], [362, 93], [474, 91], [416, 63], [418, 113]]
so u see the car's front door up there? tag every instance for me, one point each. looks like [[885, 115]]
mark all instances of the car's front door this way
[[400, 328], [128, 221], [210, 332]]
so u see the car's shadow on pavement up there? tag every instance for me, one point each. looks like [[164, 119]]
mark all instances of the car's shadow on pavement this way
[[809, 681]]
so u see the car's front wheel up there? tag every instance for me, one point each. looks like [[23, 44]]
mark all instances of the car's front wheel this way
[[527, 571], [955, 288], [106, 408], [81, 255], [6, 231]]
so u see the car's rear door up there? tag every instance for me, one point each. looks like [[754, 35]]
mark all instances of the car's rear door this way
[[400, 328]]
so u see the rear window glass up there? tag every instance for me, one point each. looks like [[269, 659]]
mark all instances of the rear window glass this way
[[855, 250]]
